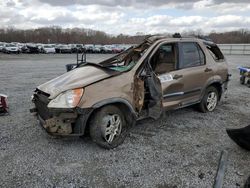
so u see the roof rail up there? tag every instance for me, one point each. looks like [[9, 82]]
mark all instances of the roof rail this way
[[206, 38]]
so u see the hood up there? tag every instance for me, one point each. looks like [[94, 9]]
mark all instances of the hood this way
[[77, 78]]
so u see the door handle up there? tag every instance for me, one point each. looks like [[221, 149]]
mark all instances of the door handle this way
[[177, 76], [208, 70]]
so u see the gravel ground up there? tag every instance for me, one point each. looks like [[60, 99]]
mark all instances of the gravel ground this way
[[181, 149]]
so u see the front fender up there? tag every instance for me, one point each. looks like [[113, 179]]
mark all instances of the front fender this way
[[113, 101]]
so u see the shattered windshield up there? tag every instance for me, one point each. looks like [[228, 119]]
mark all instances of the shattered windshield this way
[[126, 60]]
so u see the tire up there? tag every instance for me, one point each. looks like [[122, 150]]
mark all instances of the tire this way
[[101, 130], [242, 80], [211, 94]]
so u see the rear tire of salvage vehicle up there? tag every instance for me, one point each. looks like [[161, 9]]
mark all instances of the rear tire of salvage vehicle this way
[[108, 127], [209, 100]]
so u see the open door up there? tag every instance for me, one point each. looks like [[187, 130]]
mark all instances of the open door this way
[[148, 93], [155, 95]]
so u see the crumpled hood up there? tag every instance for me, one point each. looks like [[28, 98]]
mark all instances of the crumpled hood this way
[[76, 78]]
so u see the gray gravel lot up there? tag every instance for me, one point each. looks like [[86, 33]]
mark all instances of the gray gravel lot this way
[[181, 149]]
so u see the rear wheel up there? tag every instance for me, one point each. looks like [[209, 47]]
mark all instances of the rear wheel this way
[[108, 127], [209, 100]]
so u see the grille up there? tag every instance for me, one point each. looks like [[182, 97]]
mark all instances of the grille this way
[[41, 101]]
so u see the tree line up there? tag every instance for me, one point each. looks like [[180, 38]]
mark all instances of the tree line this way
[[57, 34]]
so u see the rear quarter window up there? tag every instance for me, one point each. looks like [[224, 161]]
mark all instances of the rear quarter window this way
[[215, 52]]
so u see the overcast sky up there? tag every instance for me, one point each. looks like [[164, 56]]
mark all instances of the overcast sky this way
[[128, 16]]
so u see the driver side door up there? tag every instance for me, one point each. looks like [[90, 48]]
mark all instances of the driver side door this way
[[164, 63]]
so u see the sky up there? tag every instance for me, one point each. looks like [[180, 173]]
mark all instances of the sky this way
[[128, 16]]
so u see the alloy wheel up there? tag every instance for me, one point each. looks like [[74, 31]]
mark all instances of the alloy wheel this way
[[212, 100]]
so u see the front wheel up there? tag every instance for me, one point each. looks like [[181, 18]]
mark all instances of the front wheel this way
[[108, 127], [209, 100]]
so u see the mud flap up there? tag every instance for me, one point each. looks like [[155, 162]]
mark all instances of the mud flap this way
[[240, 136]]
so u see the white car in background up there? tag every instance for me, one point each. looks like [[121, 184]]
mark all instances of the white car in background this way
[[48, 49], [20, 46], [10, 48], [1, 46]]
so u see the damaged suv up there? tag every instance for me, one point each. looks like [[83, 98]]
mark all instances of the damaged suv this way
[[105, 99]]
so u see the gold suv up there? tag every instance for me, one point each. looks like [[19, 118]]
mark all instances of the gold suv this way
[[107, 98]]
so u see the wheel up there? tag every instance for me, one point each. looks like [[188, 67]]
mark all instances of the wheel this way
[[209, 100], [108, 127], [242, 79]]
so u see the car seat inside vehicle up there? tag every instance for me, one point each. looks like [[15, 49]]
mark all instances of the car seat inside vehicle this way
[[164, 60]]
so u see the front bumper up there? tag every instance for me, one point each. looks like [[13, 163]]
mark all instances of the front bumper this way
[[64, 122]]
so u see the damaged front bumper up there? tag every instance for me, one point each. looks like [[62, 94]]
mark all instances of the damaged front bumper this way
[[64, 122]]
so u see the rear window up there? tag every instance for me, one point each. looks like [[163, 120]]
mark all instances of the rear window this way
[[214, 51]]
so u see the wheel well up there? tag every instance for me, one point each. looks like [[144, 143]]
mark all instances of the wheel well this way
[[130, 116], [218, 86]]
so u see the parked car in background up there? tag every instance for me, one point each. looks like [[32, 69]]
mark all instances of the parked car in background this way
[[106, 49], [97, 49], [77, 48], [20, 46], [63, 48], [117, 49], [105, 99], [1, 46], [39, 45], [89, 48], [10, 48], [68, 48], [48, 49], [30, 48]]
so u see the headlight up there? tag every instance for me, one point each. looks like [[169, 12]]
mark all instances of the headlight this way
[[68, 99]]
